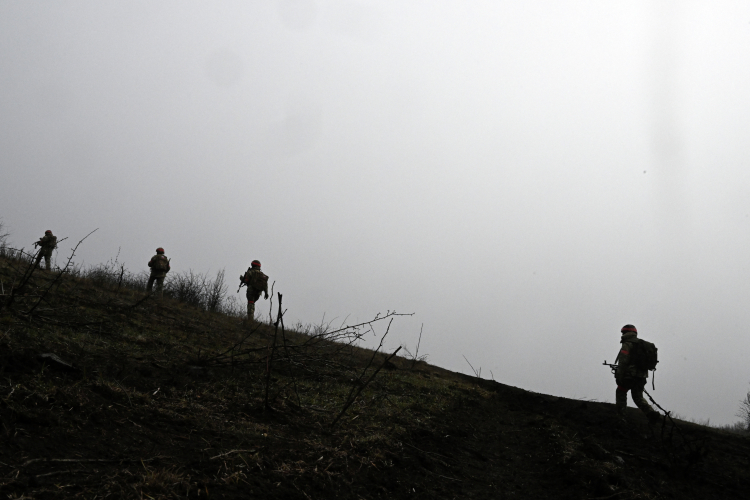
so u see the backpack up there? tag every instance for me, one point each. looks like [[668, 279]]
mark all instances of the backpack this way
[[256, 280], [48, 242], [644, 355], [161, 263]]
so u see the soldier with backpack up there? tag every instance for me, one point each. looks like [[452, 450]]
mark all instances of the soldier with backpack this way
[[47, 243], [159, 265], [635, 359], [256, 283]]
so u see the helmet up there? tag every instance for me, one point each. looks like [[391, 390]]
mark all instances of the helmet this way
[[255, 263], [160, 250], [628, 328], [48, 232]]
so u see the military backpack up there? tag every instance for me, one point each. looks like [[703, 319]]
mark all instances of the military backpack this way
[[255, 280], [644, 355], [161, 263]]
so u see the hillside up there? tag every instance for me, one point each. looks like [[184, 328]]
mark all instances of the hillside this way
[[106, 392]]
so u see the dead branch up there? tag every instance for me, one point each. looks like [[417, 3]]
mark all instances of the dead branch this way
[[416, 353], [270, 305], [82, 460], [230, 452], [476, 373], [362, 387], [266, 407]]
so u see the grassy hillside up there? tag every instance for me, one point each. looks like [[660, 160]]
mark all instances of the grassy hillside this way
[[106, 392]]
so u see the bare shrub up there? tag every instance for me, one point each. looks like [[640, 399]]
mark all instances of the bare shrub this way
[[7, 252], [744, 411], [737, 427], [233, 307], [3, 235], [188, 287], [216, 292], [113, 275]]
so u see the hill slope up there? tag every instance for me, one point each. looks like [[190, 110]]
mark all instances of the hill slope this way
[[148, 399]]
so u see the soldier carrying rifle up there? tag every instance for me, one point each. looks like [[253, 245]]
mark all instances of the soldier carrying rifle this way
[[635, 359], [47, 243], [160, 266], [256, 283]]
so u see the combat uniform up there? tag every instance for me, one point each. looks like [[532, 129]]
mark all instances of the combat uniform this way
[[629, 377], [48, 242], [257, 283], [159, 265]]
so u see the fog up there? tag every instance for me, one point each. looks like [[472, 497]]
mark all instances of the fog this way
[[524, 177]]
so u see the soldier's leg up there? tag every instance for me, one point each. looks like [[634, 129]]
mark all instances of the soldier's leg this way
[[250, 309], [637, 394], [38, 259], [621, 398], [150, 284], [160, 287], [46, 261]]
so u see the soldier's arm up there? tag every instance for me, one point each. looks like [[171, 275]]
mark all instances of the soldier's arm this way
[[623, 359]]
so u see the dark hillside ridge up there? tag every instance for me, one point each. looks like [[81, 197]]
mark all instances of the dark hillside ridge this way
[[152, 399]]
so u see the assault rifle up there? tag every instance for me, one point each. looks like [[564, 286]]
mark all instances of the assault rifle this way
[[242, 283], [611, 366], [37, 243]]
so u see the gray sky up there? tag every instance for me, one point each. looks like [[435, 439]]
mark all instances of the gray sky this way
[[526, 177]]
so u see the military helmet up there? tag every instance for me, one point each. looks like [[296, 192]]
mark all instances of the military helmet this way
[[255, 263], [628, 328], [160, 250], [48, 232]]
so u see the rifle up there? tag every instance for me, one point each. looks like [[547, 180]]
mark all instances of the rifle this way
[[37, 243], [242, 283], [611, 366]]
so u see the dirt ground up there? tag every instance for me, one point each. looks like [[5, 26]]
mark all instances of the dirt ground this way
[[143, 401], [492, 441]]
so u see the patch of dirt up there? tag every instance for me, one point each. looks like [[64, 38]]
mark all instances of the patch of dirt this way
[[163, 401]]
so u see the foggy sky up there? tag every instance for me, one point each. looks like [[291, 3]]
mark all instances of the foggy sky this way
[[525, 177]]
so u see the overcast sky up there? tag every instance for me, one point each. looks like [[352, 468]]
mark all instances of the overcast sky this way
[[525, 177]]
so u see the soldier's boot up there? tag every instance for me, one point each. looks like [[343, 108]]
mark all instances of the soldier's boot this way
[[655, 418]]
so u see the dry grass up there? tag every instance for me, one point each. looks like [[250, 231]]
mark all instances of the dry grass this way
[[168, 399]]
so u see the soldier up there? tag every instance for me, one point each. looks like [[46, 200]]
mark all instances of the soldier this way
[[256, 282], [48, 242], [159, 265], [631, 378]]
